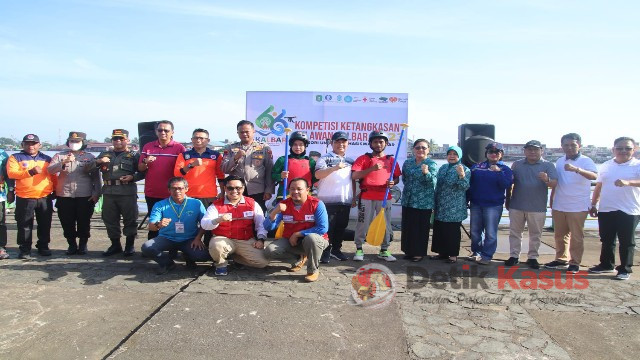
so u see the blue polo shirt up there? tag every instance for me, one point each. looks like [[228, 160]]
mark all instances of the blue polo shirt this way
[[190, 212]]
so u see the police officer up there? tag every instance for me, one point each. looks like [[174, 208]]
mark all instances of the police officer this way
[[119, 174], [251, 160], [77, 191]]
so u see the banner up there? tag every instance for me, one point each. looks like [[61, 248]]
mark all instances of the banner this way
[[320, 114]]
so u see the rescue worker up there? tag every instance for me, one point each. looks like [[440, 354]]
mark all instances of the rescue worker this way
[[33, 190], [119, 190], [77, 191], [251, 160]]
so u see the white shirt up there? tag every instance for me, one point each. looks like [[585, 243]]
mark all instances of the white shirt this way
[[210, 219], [623, 198], [336, 187], [573, 192]]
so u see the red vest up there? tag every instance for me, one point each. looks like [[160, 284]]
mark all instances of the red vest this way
[[377, 180], [241, 227], [299, 168], [298, 220]]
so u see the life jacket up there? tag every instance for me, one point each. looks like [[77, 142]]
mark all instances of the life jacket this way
[[377, 180], [298, 220], [299, 168], [241, 227]]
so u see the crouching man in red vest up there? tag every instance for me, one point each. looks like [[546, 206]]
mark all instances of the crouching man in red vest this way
[[305, 229], [233, 220]]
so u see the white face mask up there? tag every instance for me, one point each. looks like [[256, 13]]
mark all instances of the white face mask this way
[[75, 146]]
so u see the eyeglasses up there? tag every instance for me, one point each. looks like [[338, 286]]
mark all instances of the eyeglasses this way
[[199, 138], [421, 148], [622, 148], [163, 130], [175, 188], [237, 188]]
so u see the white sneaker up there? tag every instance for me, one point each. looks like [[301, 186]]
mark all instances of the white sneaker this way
[[474, 258], [359, 255], [386, 255]]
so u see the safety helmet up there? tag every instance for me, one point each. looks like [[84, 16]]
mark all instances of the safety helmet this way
[[298, 135], [378, 134]]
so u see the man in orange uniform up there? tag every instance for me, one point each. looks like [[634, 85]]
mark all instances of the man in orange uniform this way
[[34, 186]]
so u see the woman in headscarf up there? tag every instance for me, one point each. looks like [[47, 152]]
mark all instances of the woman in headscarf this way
[[489, 181], [451, 206], [418, 177]]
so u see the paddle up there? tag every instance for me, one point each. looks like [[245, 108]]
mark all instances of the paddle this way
[[378, 227], [280, 229]]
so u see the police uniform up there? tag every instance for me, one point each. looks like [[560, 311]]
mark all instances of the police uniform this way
[[255, 167], [119, 198]]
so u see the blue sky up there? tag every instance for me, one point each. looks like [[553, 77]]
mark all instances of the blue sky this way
[[535, 69]]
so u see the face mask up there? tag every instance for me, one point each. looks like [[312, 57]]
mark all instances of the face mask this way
[[75, 146]]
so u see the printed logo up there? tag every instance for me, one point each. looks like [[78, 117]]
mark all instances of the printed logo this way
[[364, 99], [383, 99], [339, 97], [328, 97], [393, 99], [270, 122], [373, 286], [319, 98], [348, 99]]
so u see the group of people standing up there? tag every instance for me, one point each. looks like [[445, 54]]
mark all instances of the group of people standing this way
[[309, 230]]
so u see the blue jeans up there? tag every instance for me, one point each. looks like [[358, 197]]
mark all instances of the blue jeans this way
[[157, 250], [485, 219]]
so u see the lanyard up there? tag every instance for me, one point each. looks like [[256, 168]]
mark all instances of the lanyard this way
[[184, 205]]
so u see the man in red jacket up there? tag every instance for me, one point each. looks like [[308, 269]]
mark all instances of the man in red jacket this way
[[305, 229], [232, 220]]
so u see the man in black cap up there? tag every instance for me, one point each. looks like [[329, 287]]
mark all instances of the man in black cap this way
[[77, 191], [119, 173], [527, 201], [335, 189], [33, 189]]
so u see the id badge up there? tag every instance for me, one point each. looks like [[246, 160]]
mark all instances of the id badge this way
[[179, 227]]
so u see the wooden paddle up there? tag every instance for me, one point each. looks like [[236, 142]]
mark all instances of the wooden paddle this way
[[280, 229], [378, 227]]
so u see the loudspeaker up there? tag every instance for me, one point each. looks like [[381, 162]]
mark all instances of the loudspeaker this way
[[146, 132], [473, 138]]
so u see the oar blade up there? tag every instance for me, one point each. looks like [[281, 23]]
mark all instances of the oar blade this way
[[377, 228], [280, 230]]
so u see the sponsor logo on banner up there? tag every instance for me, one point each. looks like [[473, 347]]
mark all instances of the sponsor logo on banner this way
[[364, 99], [328, 97], [393, 99], [319, 98], [348, 99], [339, 97], [383, 99], [270, 122]]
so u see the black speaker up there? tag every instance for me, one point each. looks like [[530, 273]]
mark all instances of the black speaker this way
[[146, 132], [473, 138]]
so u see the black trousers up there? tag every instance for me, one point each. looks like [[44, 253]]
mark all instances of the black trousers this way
[[115, 205], [416, 224], [3, 225], [75, 216], [150, 202], [446, 238], [612, 225], [338, 222], [42, 208]]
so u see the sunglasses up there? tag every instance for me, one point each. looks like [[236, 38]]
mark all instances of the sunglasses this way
[[621, 148], [421, 148], [237, 188], [163, 130]]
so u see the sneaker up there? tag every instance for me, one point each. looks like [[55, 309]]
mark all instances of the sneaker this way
[[326, 256], [512, 261], [573, 269], [474, 258], [359, 255], [533, 264], [338, 255], [25, 256], [221, 271], [623, 276], [3, 253], [600, 270], [386, 255], [484, 261], [555, 264], [299, 264]]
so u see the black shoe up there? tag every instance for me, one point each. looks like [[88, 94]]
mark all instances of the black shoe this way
[[112, 250], [166, 268], [533, 264], [129, 248], [25, 256], [337, 254], [326, 256], [44, 251], [73, 247], [555, 264], [573, 269], [191, 265], [82, 247], [600, 270], [512, 262]]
